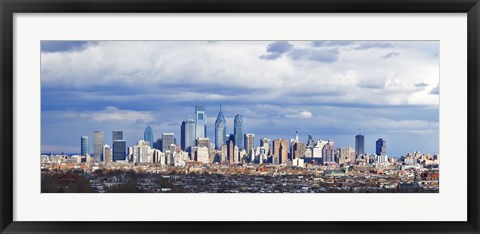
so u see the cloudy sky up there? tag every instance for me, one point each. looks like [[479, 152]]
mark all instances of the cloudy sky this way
[[330, 89]]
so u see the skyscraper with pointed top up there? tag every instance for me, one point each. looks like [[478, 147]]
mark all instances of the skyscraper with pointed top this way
[[238, 131], [148, 136], [220, 130], [200, 122]]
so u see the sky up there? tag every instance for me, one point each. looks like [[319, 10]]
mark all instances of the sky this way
[[329, 89]]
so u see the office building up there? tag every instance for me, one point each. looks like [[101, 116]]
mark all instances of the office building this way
[[108, 153], [328, 153], [220, 130], [265, 143], [187, 134], [200, 121], [203, 141], [238, 131], [148, 136], [381, 147], [359, 144], [167, 140], [84, 146], [117, 135], [280, 150], [203, 154], [98, 143], [249, 140], [119, 150]]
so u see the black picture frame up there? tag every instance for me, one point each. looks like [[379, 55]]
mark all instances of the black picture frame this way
[[9, 7]]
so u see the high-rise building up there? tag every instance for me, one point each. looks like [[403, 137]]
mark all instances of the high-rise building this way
[[108, 153], [328, 153], [204, 142], [220, 130], [119, 150], [310, 142], [238, 131], [230, 152], [280, 150], [98, 142], [381, 147], [346, 155], [167, 140], [200, 121], [359, 144], [117, 135], [249, 140], [119, 146], [84, 146], [265, 143], [148, 136], [203, 154], [187, 134], [297, 149]]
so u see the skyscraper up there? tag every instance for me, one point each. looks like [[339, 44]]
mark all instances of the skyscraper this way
[[108, 153], [359, 144], [328, 153], [167, 140], [249, 143], [200, 121], [117, 135], [84, 145], [119, 150], [238, 131], [265, 143], [148, 136], [119, 146], [381, 147], [220, 130], [280, 150], [98, 142], [187, 134]]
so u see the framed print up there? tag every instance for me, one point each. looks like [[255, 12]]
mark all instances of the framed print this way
[[245, 117]]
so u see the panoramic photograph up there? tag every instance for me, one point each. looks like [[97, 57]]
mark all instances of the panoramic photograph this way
[[240, 116]]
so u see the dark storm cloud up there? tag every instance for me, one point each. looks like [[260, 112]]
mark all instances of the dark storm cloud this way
[[276, 49], [374, 44], [332, 43], [61, 46], [318, 55], [391, 55]]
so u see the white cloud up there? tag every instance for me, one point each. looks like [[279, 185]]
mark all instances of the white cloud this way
[[112, 114]]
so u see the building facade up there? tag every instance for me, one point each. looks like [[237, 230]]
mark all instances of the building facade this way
[[167, 140], [84, 146], [119, 150], [359, 144], [381, 147], [238, 131], [148, 136], [220, 130], [188, 134], [200, 121], [98, 143], [249, 140]]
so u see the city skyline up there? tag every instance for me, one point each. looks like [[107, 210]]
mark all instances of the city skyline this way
[[130, 98]]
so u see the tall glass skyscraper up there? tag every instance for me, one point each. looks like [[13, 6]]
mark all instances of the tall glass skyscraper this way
[[148, 136], [117, 135], [119, 150], [188, 134], [119, 146], [220, 130], [167, 140], [238, 131], [381, 147], [84, 145], [98, 142], [359, 144], [200, 122]]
